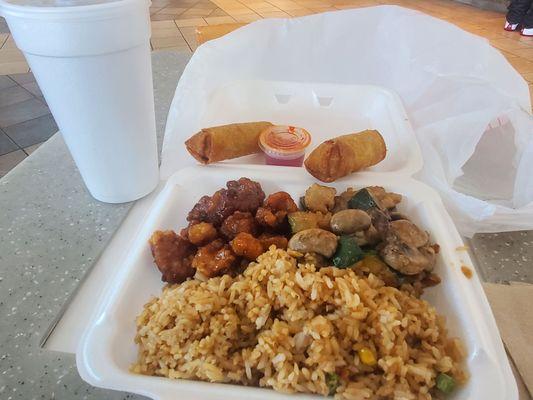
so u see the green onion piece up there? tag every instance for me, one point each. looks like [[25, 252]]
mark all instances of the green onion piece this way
[[445, 383], [333, 381]]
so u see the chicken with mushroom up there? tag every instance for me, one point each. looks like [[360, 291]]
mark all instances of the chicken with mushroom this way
[[319, 198], [375, 196], [369, 228], [300, 220]]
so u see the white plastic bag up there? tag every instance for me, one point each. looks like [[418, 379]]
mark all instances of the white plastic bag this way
[[452, 84]]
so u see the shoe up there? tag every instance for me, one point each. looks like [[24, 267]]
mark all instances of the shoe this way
[[526, 32], [510, 27]]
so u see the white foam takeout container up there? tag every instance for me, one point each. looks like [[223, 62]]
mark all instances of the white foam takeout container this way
[[107, 349]]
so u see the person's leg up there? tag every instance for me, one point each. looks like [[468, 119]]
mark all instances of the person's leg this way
[[527, 22], [517, 11]]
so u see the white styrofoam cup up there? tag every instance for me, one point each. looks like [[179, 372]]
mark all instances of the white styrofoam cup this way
[[92, 63]]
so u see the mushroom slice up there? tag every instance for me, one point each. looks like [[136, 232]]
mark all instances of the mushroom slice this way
[[405, 259], [349, 221], [409, 233], [407, 248], [314, 240]]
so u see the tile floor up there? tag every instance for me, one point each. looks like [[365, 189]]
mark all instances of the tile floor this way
[[25, 120], [174, 24]]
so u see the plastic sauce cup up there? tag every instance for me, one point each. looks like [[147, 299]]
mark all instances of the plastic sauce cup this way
[[284, 145]]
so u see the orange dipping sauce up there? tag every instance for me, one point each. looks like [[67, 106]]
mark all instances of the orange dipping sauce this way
[[284, 145]]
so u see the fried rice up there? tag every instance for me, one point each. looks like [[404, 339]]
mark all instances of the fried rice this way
[[292, 326]]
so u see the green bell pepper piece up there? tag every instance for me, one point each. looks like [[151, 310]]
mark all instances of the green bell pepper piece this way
[[348, 252], [362, 200]]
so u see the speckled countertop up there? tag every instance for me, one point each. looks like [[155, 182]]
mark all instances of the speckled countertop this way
[[52, 231], [504, 257]]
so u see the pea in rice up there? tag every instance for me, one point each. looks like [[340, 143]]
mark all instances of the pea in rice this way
[[297, 328]]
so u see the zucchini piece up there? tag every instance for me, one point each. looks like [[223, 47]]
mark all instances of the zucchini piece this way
[[362, 200], [348, 252], [375, 265]]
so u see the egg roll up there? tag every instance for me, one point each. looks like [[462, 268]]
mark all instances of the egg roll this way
[[345, 154], [226, 141]]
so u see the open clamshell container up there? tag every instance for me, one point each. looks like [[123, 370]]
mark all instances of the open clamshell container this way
[[107, 348]]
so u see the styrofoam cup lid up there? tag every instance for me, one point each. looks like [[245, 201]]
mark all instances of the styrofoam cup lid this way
[[73, 28], [58, 3], [69, 9]]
